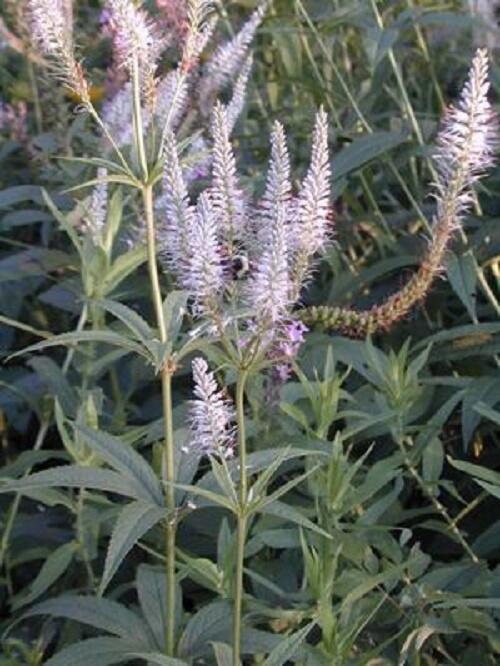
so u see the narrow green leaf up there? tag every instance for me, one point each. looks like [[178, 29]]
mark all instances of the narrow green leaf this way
[[152, 592], [124, 265], [102, 614], [157, 658], [223, 654], [288, 647], [76, 476], [102, 651], [291, 514], [133, 522], [213, 623], [139, 328], [363, 150], [52, 569], [62, 221], [125, 460], [106, 337], [462, 273], [56, 381]]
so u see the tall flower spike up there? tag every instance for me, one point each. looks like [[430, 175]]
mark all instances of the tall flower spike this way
[[136, 43], [200, 28], [211, 414], [98, 208], [269, 286], [177, 212], [172, 99], [466, 145], [275, 203], [204, 277], [229, 57], [237, 103], [226, 193], [53, 36], [310, 232]]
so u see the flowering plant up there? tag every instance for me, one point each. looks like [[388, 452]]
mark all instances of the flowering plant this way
[[227, 274]]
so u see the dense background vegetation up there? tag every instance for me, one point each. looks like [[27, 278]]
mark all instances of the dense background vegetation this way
[[409, 419]]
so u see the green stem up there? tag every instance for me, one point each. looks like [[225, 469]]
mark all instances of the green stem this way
[[80, 530], [242, 515], [166, 381], [138, 122], [36, 96], [171, 526]]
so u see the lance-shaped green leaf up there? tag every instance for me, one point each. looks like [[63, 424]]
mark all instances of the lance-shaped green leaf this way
[[62, 221], [102, 651], [293, 515], [288, 647], [213, 623], [139, 328], [76, 476], [133, 522], [53, 376], [124, 265], [52, 569], [103, 614], [157, 659], [124, 459], [152, 592], [260, 503], [223, 654], [106, 337]]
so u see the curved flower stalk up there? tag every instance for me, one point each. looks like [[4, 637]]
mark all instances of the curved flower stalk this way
[[52, 33], [465, 148]]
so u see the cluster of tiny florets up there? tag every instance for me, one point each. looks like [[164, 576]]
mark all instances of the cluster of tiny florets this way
[[52, 34], [212, 415], [269, 237], [466, 145], [98, 208]]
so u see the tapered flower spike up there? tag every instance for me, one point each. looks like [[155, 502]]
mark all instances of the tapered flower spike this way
[[98, 208], [136, 43], [177, 212], [211, 415], [276, 200], [235, 107], [226, 192], [203, 276], [229, 57], [269, 287], [53, 37], [172, 99], [310, 231], [466, 145], [200, 28]]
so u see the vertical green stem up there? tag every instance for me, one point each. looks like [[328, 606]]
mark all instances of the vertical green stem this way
[[138, 122], [166, 381], [36, 97], [242, 515], [171, 527]]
